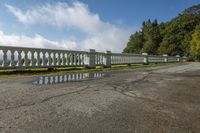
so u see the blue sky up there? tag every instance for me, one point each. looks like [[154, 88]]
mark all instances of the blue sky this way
[[71, 24]]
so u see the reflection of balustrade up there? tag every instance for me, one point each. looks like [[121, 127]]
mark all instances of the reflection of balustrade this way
[[67, 78], [19, 57]]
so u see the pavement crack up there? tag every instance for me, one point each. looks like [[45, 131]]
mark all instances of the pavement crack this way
[[143, 78], [19, 106], [56, 96], [44, 100], [124, 87]]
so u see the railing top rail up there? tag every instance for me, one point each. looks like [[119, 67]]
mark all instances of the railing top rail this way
[[156, 56], [37, 49], [126, 54], [100, 52], [171, 56]]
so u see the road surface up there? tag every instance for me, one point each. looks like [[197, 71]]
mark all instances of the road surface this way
[[163, 99]]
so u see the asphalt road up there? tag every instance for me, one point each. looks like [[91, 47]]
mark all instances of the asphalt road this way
[[164, 99]]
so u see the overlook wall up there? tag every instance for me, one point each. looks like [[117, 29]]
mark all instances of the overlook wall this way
[[21, 57]]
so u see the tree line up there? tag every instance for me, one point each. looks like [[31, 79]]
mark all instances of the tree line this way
[[179, 36]]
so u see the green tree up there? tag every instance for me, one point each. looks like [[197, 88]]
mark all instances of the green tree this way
[[177, 34], [172, 37], [192, 10], [152, 37], [195, 43], [135, 43]]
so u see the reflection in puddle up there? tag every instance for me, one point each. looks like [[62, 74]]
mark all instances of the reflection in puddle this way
[[45, 80]]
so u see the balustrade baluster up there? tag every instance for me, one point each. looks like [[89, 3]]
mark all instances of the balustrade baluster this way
[[44, 58], [26, 58], [19, 58], [64, 59], [12, 58], [82, 59], [59, 61], [111, 59], [71, 59], [32, 58], [68, 59], [98, 57], [102, 59], [115, 59], [78, 59], [38, 58], [49, 59], [5, 58], [75, 59], [54, 58]]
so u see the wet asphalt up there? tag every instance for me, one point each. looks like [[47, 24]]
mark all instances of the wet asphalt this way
[[164, 99]]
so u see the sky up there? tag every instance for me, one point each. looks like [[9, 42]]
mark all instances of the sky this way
[[80, 24]]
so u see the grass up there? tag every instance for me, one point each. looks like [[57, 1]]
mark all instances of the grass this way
[[9, 73]]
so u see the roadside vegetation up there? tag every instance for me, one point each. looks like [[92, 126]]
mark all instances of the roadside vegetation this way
[[179, 36], [9, 73]]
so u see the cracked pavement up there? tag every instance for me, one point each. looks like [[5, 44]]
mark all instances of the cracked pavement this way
[[160, 99]]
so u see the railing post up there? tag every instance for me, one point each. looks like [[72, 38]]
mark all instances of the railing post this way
[[107, 59], [178, 58], [146, 59], [91, 58], [166, 58]]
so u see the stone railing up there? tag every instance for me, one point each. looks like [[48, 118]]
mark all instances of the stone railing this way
[[21, 57]]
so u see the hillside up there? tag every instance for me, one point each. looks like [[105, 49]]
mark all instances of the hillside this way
[[180, 35]]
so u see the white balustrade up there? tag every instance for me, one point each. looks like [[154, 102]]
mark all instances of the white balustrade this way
[[156, 59], [117, 58], [21, 57], [172, 59]]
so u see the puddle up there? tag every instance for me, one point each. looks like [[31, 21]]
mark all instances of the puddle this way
[[55, 79]]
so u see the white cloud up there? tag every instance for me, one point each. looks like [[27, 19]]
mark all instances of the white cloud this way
[[100, 35], [36, 41]]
